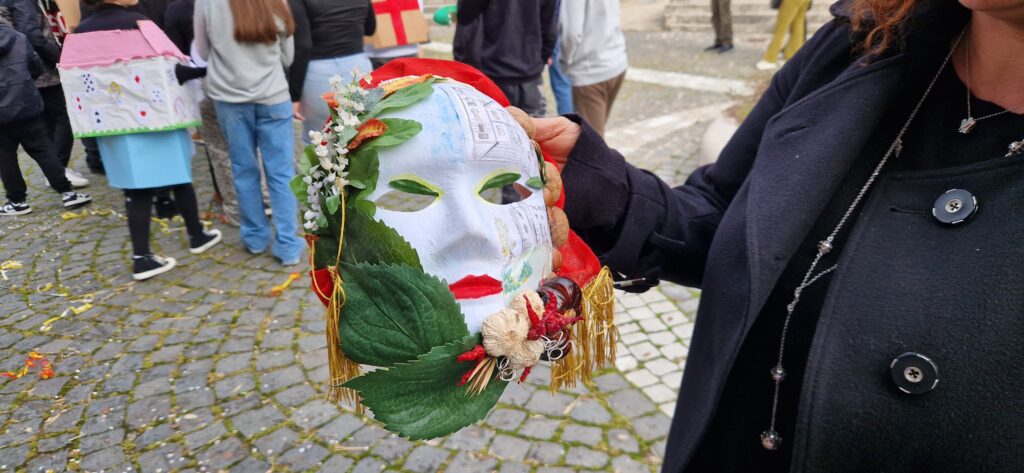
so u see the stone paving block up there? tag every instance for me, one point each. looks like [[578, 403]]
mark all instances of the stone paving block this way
[[581, 434], [100, 441], [54, 443], [505, 419], [48, 387], [662, 338], [668, 408], [590, 411], [684, 331], [152, 388], [610, 382], [514, 467], [253, 465], [621, 439], [658, 449], [628, 465], [641, 377], [232, 363], [425, 459], [469, 462], [205, 436], [295, 396], [674, 351], [634, 338], [13, 457], [516, 395], [630, 403], [393, 448], [143, 412], [154, 435], [507, 447], [366, 437], [274, 359], [660, 393], [336, 464], [103, 459], [368, 465], [192, 421], [625, 362], [340, 428], [275, 443], [274, 380], [652, 427], [539, 428], [585, 457], [644, 351], [194, 399], [190, 382], [545, 453], [469, 438], [546, 403], [253, 422], [66, 419], [304, 457], [314, 414], [653, 325], [119, 384], [223, 454], [43, 463], [235, 385]]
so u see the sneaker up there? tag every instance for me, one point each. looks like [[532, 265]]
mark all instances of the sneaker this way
[[150, 265], [206, 241], [15, 208], [74, 199], [726, 48], [291, 262], [763, 65], [76, 178], [713, 47]]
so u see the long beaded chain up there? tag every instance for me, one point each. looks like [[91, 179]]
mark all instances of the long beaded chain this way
[[770, 439]]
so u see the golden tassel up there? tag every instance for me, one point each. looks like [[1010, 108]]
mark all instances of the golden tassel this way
[[341, 368], [595, 337]]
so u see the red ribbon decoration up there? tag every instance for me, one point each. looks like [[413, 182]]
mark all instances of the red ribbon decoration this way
[[395, 9]]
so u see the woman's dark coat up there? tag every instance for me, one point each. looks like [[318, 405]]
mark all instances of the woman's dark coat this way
[[732, 228]]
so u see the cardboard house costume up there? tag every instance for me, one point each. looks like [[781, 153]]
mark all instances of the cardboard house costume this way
[[461, 294]]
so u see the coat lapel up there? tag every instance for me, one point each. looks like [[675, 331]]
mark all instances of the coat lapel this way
[[805, 152]]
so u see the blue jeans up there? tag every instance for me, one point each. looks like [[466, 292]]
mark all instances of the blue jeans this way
[[248, 126], [318, 81], [560, 85]]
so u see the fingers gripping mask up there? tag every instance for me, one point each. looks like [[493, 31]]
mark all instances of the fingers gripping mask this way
[[461, 192]]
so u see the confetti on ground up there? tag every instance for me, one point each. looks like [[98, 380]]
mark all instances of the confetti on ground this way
[[8, 265], [34, 360], [277, 290], [86, 213], [74, 310]]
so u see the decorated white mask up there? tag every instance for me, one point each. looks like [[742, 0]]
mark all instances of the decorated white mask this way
[[469, 149]]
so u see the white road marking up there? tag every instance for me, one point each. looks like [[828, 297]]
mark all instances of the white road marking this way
[[680, 80], [631, 138]]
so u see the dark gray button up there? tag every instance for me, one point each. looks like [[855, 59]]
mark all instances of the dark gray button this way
[[914, 373], [954, 207]]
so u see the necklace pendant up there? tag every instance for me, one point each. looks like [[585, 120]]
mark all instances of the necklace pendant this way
[[770, 439], [967, 124], [1017, 147]]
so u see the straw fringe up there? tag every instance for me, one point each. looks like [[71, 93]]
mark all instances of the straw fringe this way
[[594, 338]]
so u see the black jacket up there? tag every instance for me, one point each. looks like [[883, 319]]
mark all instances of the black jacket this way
[[735, 224], [108, 17], [509, 41], [178, 24], [26, 18], [326, 29], [19, 66]]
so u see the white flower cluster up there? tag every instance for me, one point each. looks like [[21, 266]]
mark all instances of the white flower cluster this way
[[327, 178]]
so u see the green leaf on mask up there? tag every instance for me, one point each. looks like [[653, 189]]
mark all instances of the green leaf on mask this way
[[394, 313], [399, 131], [298, 187], [402, 98], [501, 180], [422, 399], [371, 241], [535, 182], [412, 187]]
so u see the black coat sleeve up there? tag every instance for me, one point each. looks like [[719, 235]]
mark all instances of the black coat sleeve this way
[[469, 10], [370, 23], [303, 49], [643, 228], [29, 21], [549, 28], [35, 65]]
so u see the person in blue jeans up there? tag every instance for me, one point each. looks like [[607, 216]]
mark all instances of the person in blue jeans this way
[[248, 44], [561, 86]]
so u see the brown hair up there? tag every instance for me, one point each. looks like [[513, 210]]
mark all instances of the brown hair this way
[[881, 19], [256, 20]]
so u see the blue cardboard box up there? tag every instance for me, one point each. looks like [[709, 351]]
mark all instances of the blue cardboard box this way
[[145, 160]]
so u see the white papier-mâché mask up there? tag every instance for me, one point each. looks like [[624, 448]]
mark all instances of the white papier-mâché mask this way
[[468, 140]]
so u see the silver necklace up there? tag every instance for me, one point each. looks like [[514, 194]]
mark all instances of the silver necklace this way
[[968, 124], [770, 439]]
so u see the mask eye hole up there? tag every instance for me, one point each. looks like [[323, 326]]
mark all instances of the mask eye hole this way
[[408, 195], [503, 189]]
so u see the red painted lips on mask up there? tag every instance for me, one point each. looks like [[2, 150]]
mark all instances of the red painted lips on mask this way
[[475, 287]]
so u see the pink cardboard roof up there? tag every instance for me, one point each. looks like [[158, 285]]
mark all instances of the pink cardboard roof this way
[[103, 48]]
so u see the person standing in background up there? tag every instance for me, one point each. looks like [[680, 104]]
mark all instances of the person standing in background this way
[[510, 42], [178, 24], [380, 57], [791, 19], [561, 86], [593, 57], [328, 42], [247, 44], [721, 21]]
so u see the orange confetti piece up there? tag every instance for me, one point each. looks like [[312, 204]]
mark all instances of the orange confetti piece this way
[[331, 99], [371, 129], [398, 84], [34, 360], [277, 290]]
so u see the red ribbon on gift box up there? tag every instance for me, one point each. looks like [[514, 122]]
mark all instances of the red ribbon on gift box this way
[[395, 9]]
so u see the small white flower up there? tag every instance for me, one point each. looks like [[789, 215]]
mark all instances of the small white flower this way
[[316, 136], [331, 177], [308, 180], [310, 215], [309, 225], [326, 164]]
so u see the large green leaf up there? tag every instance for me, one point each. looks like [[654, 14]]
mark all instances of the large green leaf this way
[[371, 241], [394, 313], [399, 131], [422, 399], [402, 98], [298, 187], [364, 167], [326, 251]]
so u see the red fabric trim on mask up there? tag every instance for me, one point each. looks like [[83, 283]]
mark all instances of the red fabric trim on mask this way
[[475, 287], [454, 70]]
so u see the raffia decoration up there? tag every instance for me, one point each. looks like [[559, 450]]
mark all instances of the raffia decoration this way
[[504, 334], [594, 337]]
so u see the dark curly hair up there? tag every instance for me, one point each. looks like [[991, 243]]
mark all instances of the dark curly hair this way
[[880, 19]]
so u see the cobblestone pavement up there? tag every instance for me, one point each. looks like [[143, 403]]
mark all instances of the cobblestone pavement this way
[[201, 370]]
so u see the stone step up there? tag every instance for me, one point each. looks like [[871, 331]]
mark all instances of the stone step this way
[[749, 16]]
